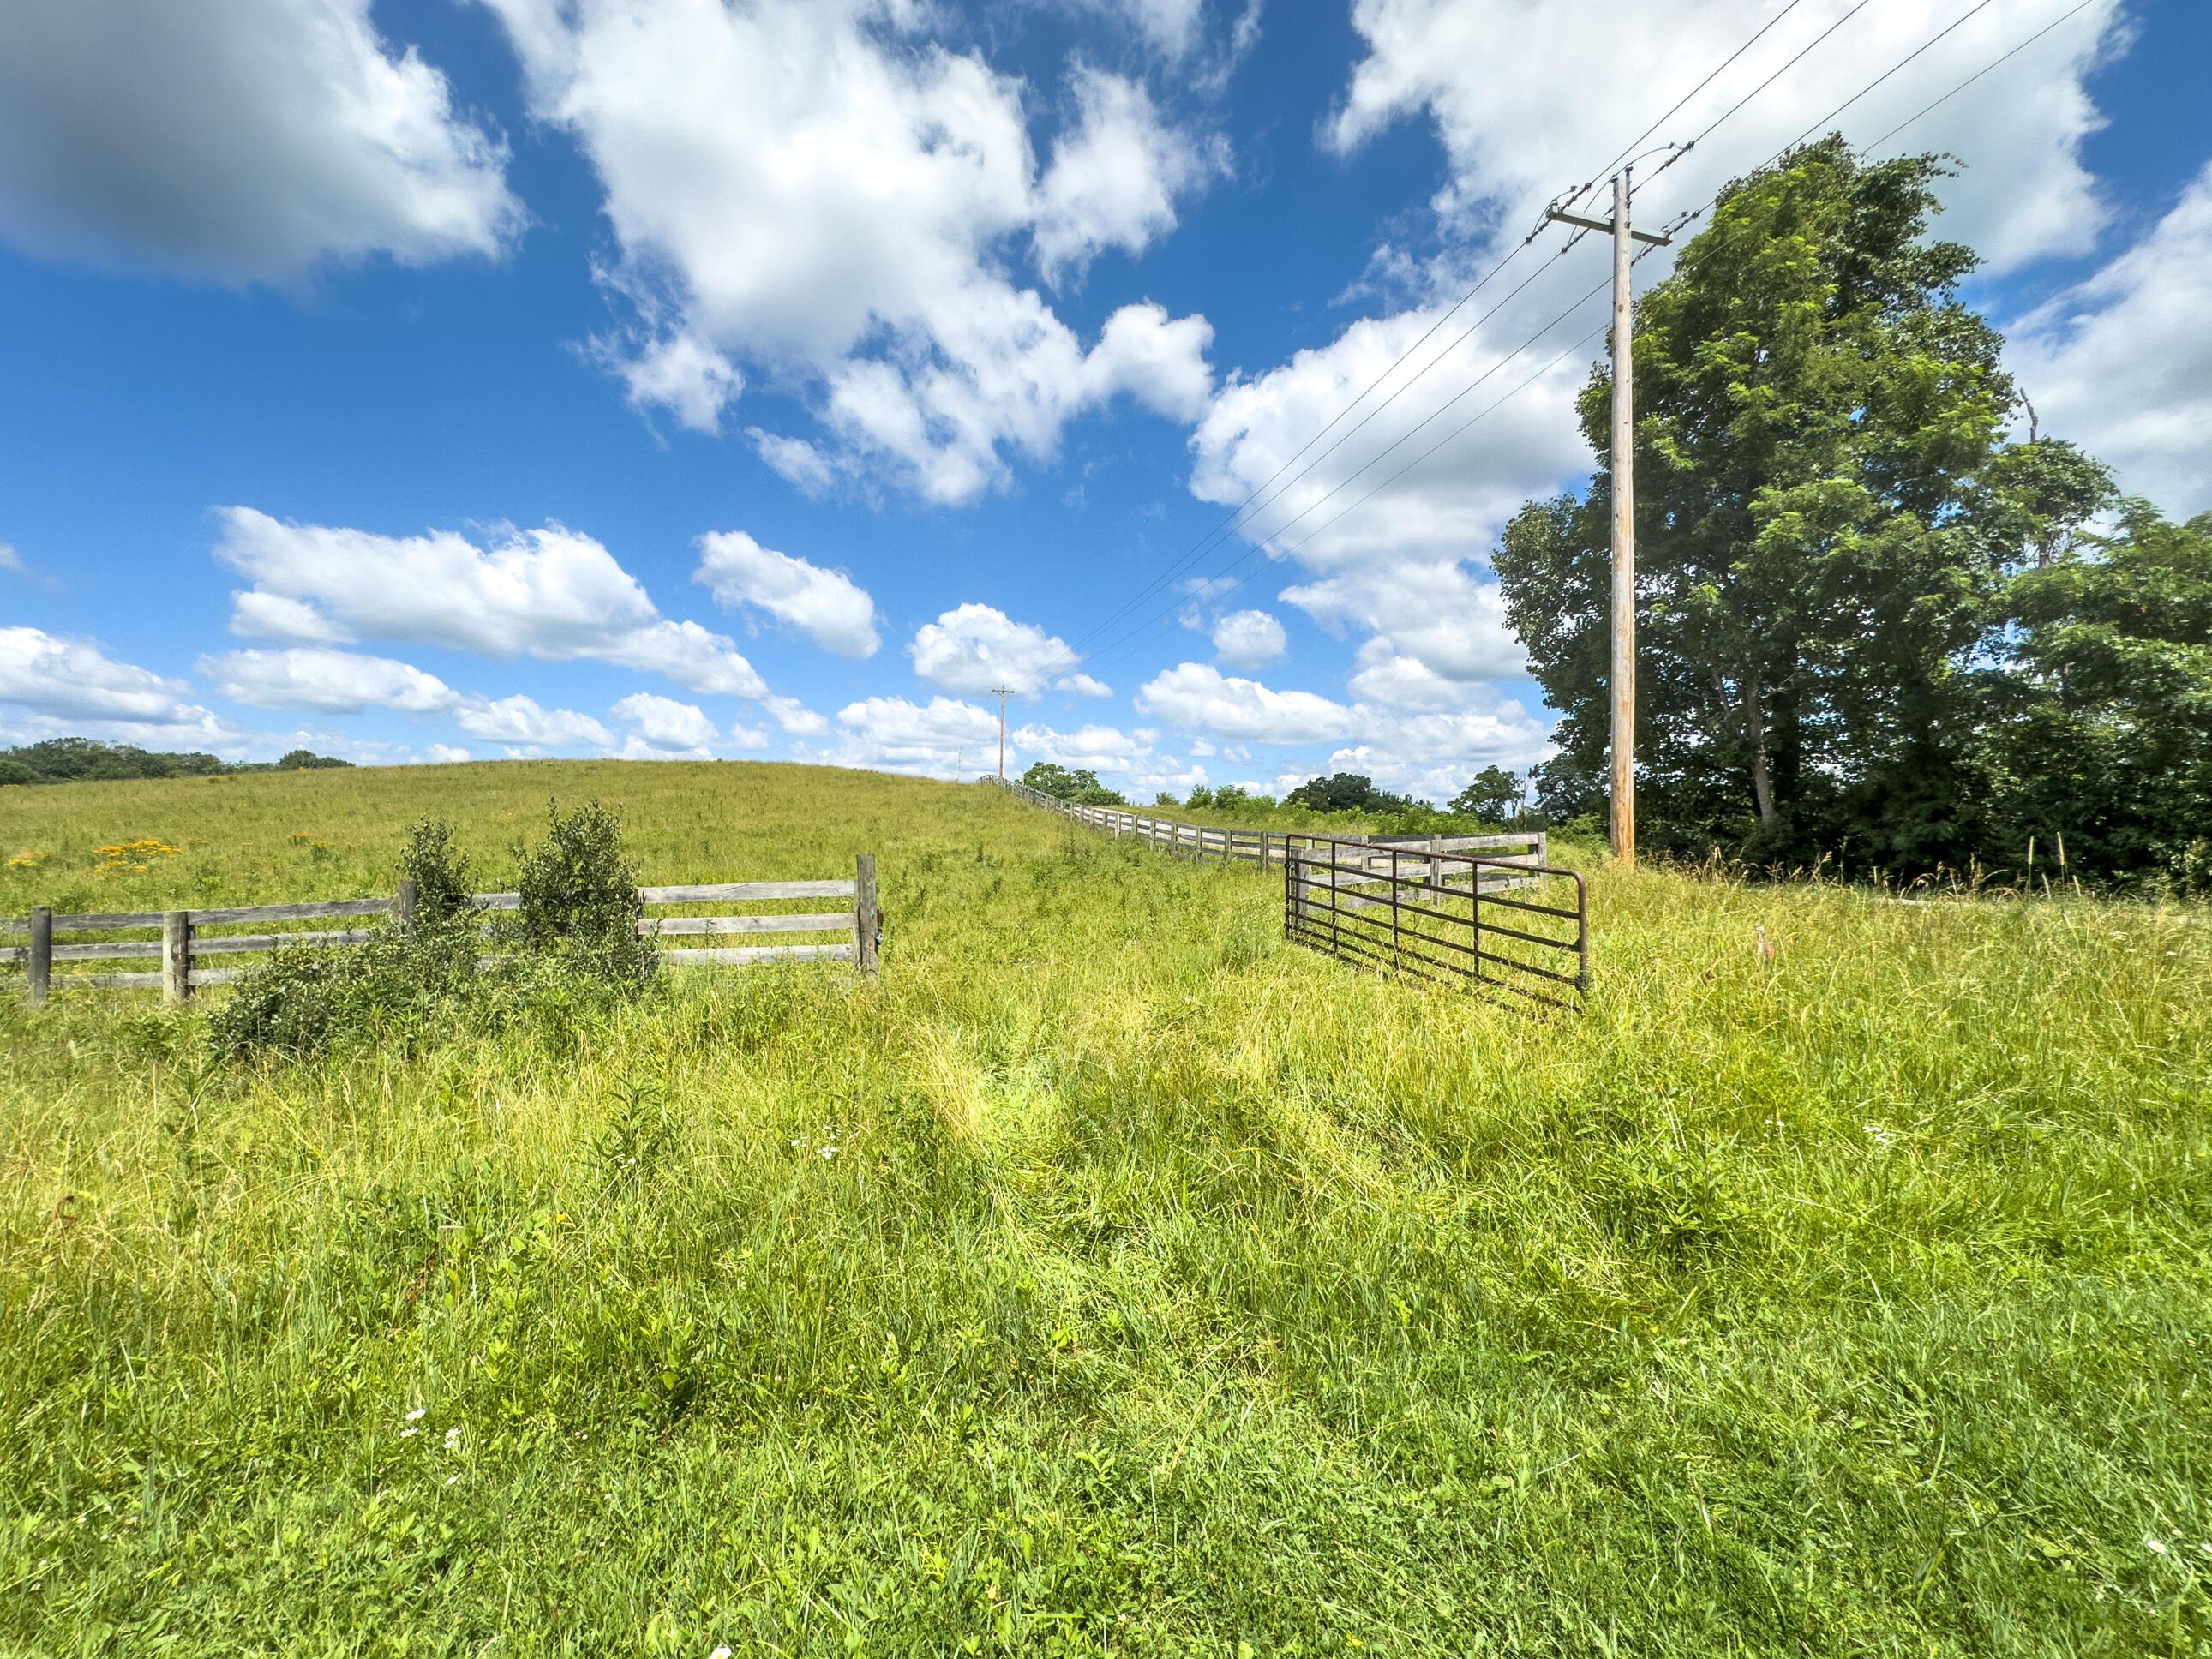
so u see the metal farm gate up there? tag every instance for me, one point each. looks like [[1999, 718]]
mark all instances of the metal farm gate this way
[[1449, 917]]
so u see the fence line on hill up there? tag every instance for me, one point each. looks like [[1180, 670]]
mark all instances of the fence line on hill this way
[[1413, 904], [184, 941], [1201, 841]]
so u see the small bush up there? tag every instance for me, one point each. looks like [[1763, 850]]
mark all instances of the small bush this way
[[439, 869], [579, 896], [575, 935]]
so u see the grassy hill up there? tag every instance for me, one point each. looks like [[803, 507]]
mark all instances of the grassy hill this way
[[1110, 1278]]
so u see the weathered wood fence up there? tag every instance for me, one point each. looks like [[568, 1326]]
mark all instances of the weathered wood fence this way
[[189, 937], [1192, 841], [1432, 906]]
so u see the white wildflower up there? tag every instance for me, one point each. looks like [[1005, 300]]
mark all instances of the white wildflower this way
[[410, 1432], [722, 1652], [1886, 1137], [2156, 1546], [453, 1479], [415, 1416], [828, 1152], [453, 1440]]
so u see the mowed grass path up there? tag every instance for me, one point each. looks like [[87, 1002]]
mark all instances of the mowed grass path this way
[[1112, 1278]]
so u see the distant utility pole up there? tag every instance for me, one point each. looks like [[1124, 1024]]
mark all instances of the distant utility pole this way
[[1004, 692], [1622, 686]]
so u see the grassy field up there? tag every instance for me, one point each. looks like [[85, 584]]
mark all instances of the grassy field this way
[[1110, 1279]]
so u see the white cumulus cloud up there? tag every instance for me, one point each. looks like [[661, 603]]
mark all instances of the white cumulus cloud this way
[[74, 679], [521, 724], [1198, 696], [807, 186], [827, 605], [1113, 180], [1248, 639], [944, 738], [337, 682], [975, 648], [2122, 362], [244, 140], [551, 593], [663, 726]]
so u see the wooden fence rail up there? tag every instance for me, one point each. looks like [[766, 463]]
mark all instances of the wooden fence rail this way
[[1499, 852], [1432, 906], [856, 924]]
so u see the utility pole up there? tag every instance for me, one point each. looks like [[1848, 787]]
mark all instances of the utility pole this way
[[1004, 692], [1622, 684]]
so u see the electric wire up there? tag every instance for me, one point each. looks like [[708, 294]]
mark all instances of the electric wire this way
[[1238, 518], [1678, 223], [1119, 647]]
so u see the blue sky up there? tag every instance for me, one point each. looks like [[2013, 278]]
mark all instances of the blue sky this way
[[665, 376]]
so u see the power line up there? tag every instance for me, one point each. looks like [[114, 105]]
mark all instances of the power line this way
[[1713, 125], [1146, 627], [1315, 533], [2082, 5], [1317, 530], [1231, 524], [1345, 512], [1695, 213], [1621, 154]]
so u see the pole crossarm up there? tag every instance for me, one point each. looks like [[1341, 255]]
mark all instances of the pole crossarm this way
[[1605, 225]]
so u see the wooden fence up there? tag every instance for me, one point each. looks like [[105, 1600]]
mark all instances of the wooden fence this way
[[1426, 905], [188, 936], [1500, 852]]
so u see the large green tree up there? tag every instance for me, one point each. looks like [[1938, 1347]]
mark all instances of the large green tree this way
[[2103, 746], [1828, 507]]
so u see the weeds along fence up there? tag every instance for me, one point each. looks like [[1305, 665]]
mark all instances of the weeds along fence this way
[[1437, 907], [186, 938]]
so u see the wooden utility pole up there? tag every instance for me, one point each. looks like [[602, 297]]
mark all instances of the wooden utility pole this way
[[1622, 685], [1004, 692]]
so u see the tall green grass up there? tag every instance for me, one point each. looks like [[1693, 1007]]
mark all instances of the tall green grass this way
[[1112, 1277]]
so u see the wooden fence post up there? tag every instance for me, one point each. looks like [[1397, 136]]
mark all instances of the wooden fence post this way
[[176, 956], [403, 904], [867, 918], [39, 960]]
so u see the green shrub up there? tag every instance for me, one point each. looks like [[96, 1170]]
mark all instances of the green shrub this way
[[304, 1001], [439, 869], [576, 944], [579, 896]]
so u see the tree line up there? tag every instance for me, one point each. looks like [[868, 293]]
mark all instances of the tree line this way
[[1493, 797], [1877, 627], [73, 760]]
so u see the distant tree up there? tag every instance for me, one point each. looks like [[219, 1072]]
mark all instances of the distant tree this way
[[1827, 509], [1493, 795], [1234, 797], [66, 760], [1049, 779], [1199, 796], [1165, 798], [15, 771], [1346, 792], [70, 760], [1566, 790], [1081, 786]]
